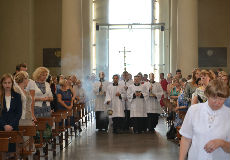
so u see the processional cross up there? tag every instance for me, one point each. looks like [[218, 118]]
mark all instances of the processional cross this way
[[124, 51]]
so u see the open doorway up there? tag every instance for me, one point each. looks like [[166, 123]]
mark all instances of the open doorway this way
[[132, 24], [137, 42]]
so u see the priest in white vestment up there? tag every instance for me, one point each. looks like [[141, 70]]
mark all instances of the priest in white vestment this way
[[154, 92], [115, 94], [136, 94], [126, 82], [99, 90]]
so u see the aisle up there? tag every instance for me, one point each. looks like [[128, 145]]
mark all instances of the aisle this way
[[91, 145]]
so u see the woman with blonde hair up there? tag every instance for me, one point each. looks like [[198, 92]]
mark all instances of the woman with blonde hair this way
[[70, 86], [21, 79], [224, 77], [175, 90], [64, 96], [43, 94], [65, 99], [199, 96], [191, 87]]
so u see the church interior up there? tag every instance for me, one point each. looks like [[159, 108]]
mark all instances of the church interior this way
[[78, 40]]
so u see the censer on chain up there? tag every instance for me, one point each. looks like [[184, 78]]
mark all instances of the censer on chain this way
[[110, 112]]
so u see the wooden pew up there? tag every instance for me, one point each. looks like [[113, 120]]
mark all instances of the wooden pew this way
[[181, 116], [4, 144], [14, 137], [41, 127], [91, 105], [169, 108], [59, 116], [28, 145], [4, 147], [84, 113], [68, 114], [56, 132], [69, 127], [79, 116]]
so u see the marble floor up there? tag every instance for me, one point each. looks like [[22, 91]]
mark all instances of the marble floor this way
[[92, 145]]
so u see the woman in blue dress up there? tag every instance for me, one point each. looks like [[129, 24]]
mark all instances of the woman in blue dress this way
[[64, 97], [182, 104]]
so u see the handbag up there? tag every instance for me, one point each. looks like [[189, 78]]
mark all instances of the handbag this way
[[171, 134]]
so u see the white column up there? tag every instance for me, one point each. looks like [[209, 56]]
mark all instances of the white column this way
[[187, 31], [102, 37], [72, 48], [173, 36], [164, 36], [87, 39]]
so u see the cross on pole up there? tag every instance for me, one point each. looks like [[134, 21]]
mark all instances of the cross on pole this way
[[124, 51]]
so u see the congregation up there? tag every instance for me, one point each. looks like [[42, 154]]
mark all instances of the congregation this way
[[133, 104]]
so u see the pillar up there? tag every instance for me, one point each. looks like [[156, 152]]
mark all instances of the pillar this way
[[72, 34], [187, 31], [173, 36]]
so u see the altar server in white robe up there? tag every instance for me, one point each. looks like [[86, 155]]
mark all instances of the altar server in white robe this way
[[154, 109], [136, 94], [126, 82], [99, 90], [114, 95]]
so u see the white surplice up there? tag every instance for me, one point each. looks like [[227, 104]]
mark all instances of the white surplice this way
[[153, 103], [100, 95], [126, 103], [115, 101], [138, 106]]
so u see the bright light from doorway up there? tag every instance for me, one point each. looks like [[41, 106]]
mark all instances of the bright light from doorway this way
[[130, 11], [138, 42], [136, 38]]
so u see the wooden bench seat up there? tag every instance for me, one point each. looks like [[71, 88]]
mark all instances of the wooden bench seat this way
[[59, 116], [14, 137], [4, 144], [4, 147], [41, 127], [28, 144]]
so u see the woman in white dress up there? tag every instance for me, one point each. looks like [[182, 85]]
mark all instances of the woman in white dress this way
[[205, 130], [21, 82], [22, 79]]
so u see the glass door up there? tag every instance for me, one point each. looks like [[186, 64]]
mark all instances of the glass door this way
[[144, 45], [137, 41]]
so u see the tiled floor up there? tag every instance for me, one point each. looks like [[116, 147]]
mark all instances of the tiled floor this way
[[91, 145]]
